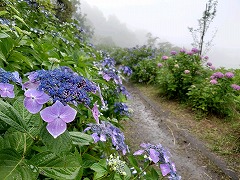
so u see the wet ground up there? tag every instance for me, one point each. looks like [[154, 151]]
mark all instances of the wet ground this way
[[152, 124]]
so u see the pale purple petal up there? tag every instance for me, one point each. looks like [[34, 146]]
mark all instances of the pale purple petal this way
[[6, 86], [103, 137], [95, 137], [56, 127], [33, 93], [30, 85], [31, 105], [144, 145], [47, 114], [95, 112], [10, 94], [88, 128], [68, 114], [17, 77], [154, 155], [173, 167], [165, 169], [139, 152], [106, 77], [44, 98]]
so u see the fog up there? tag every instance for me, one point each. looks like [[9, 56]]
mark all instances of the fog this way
[[169, 20]]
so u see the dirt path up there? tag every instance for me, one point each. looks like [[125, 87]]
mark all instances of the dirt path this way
[[155, 125]]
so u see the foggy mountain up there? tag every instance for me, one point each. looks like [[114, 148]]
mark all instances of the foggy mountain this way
[[110, 30]]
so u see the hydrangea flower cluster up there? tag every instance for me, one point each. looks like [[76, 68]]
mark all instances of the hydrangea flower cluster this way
[[6, 89], [126, 70], [62, 85], [194, 50], [116, 165], [235, 87], [157, 154], [121, 108], [164, 57], [106, 130], [186, 71], [173, 53], [159, 65], [229, 75]]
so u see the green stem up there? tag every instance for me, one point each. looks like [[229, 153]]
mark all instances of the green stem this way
[[142, 171]]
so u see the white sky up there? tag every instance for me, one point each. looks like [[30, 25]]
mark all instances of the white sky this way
[[169, 19]]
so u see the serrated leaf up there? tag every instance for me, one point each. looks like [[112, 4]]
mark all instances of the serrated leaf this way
[[53, 166], [100, 168], [18, 141], [10, 115], [61, 144], [81, 139], [14, 166]]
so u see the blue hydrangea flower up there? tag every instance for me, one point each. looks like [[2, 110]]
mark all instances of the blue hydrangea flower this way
[[106, 130], [126, 70], [7, 89], [121, 108], [62, 85]]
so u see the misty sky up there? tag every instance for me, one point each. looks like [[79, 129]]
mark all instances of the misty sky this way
[[169, 19]]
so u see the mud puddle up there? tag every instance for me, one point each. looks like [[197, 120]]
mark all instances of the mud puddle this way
[[153, 127]]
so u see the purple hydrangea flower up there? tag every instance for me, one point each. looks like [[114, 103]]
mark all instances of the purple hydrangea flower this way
[[159, 155], [57, 116], [182, 50], [218, 75], [159, 65], [164, 57], [186, 71], [212, 68], [209, 64], [62, 84], [229, 75], [121, 108], [173, 53], [190, 53], [34, 100], [194, 50], [6, 90], [213, 81], [126, 70], [235, 87], [106, 130], [206, 57]]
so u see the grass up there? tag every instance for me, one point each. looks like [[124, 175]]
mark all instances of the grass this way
[[221, 136]]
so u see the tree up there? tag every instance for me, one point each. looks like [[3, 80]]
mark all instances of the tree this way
[[199, 34]]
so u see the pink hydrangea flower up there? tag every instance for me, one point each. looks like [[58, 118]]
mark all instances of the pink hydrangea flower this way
[[213, 81], [164, 57], [229, 75], [186, 71]]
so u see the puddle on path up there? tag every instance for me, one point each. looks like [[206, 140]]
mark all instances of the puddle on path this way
[[149, 126]]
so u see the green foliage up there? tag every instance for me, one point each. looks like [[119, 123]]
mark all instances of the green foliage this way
[[178, 73], [219, 99]]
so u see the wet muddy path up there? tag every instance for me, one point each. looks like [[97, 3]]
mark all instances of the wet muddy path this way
[[151, 124]]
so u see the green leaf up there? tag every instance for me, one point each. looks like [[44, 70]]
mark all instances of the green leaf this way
[[100, 168], [3, 12], [81, 139], [14, 166], [61, 144], [53, 166], [20, 19], [2, 57], [18, 141], [3, 35], [10, 115], [19, 57]]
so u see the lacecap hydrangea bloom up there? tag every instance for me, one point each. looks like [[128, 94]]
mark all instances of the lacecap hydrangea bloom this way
[[7, 89], [158, 155], [116, 165], [105, 130], [61, 87]]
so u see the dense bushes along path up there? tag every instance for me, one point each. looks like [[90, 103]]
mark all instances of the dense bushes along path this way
[[190, 156]]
